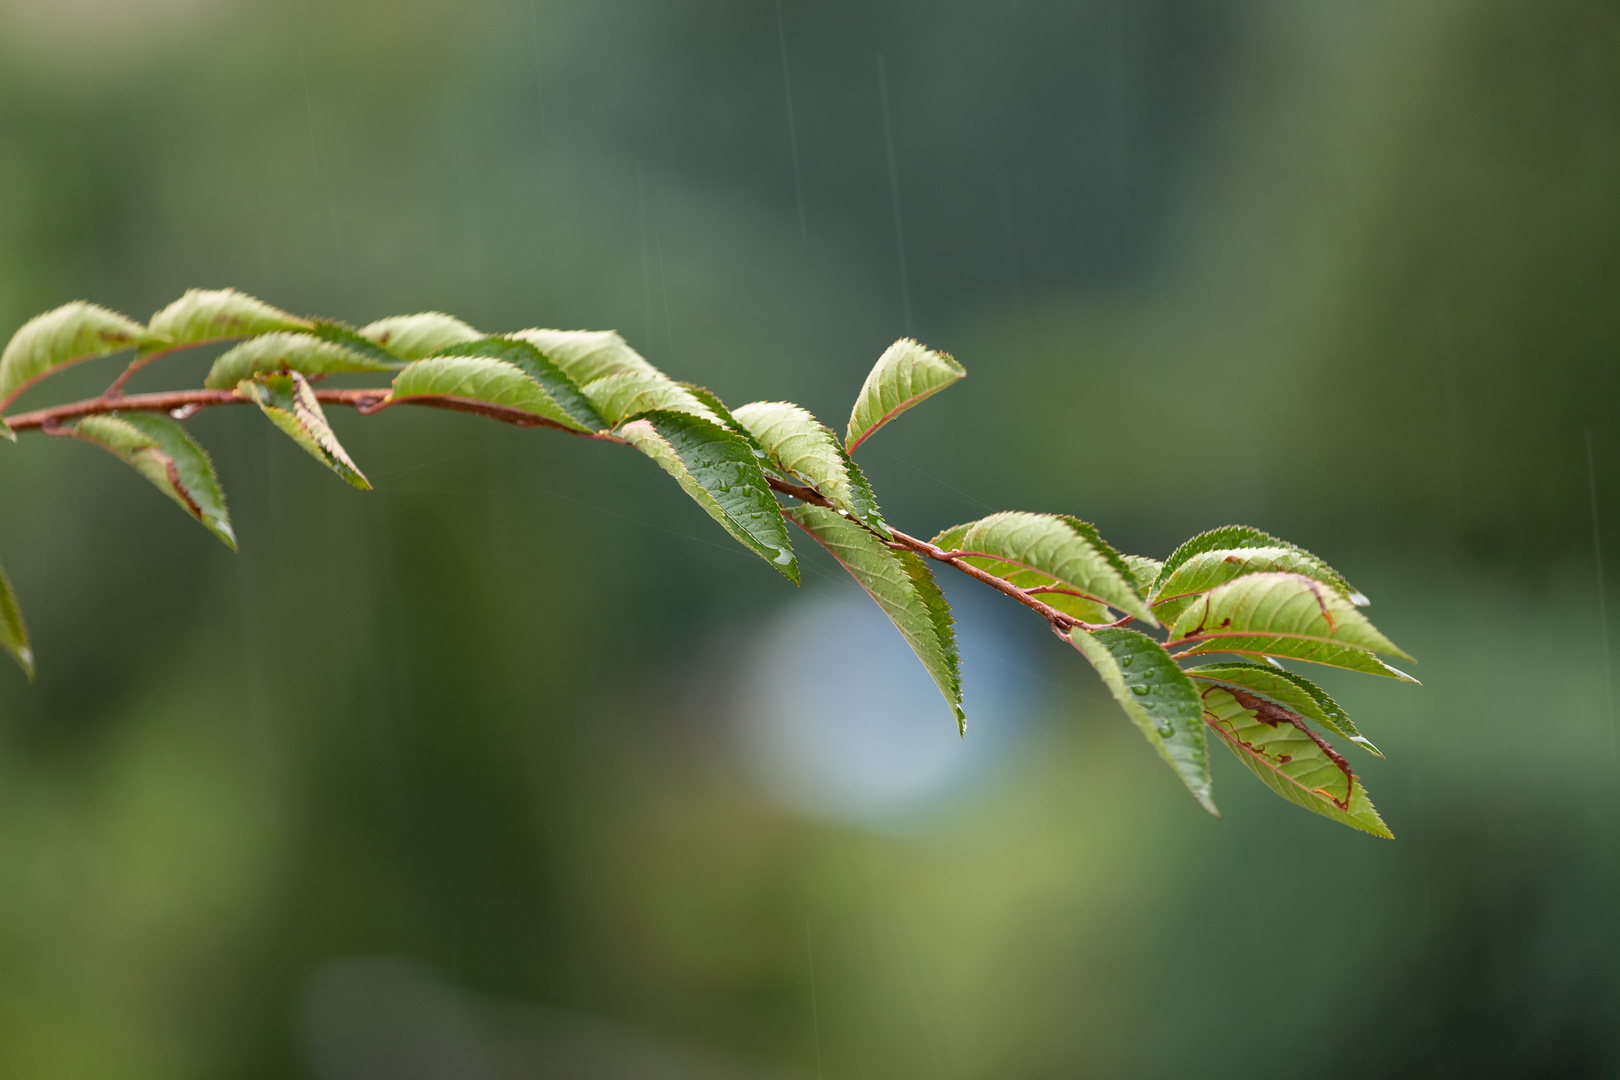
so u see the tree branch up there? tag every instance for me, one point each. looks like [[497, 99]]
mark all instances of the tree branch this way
[[372, 400]]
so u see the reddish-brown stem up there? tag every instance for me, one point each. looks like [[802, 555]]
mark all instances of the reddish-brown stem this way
[[369, 401]]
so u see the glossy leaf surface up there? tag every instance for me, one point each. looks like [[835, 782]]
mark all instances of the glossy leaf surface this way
[[165, 453], [904, 375], [1078, 572], [480, 378], [1291, 691], [52, 341], [1292, 763], [220, 314], [626, 394], [1242, 537], [282, 351], [1206, 570], [290, 403], [1143, 571], [416, 337], [13, 631], [587, 355], [800, 446], [901, 584], [534, 363], [718, 469], [1158, 697], [1283, 615]]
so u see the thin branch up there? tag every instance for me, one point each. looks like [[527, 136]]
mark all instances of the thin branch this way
[[371, 400]]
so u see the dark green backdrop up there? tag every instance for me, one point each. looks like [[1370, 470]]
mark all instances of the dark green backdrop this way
[[442, 780]]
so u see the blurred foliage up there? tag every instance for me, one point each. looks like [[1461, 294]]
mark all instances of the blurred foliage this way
[[1342, 271]]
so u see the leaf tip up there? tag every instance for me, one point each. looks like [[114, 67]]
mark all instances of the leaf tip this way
[[6, 432]]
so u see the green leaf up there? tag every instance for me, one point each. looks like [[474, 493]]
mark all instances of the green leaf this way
[[1293, 762], [711, 401], [56, 339], [417, 337], [626, 394], [219, 314], [290, 403], [280, 351], [587, 355], [1062, 559], [718, 469], [1239, 538], [1289, 690], [533, 363], [1143, 571], [1158, 697], [902, 586], [1288, 616], [480, 378], [801, 446], [1201, 572], [905, 374], [13, 631], [162, 451]]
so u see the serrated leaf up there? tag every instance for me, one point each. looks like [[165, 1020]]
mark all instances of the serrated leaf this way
[[343, 334], [626, 394], [711, 401], [1287, 616], [1291, 691], [1242, 537], [13, 631], [801, 446], [1143, 571], [481, 379], [281, 351], [905, 374], [903, 587], [290, 403], [1289, 760], [1063, 560], [417, 337], [1205, 570], [162, 451], [719, 470], [62, 337], [220, 314], [1158, 697], [587, 355], [533, 363]]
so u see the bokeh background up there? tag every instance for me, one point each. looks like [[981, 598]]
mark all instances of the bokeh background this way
[[515, 767]]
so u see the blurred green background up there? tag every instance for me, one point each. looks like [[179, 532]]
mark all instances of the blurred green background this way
[[513, 767]]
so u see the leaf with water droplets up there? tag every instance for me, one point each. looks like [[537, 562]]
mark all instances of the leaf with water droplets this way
[[904, 375], [534, 363], [290, 403], [1289, 616], [1158, 697], [483, 380], [13, 631], [162, 451], [718, 469], [281, 351], [417, 337], [57, 339], [1290, 760], [1143, 571], [221, 314], [800, 446], [903, 587], [1291, 691], [1063, 560]]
